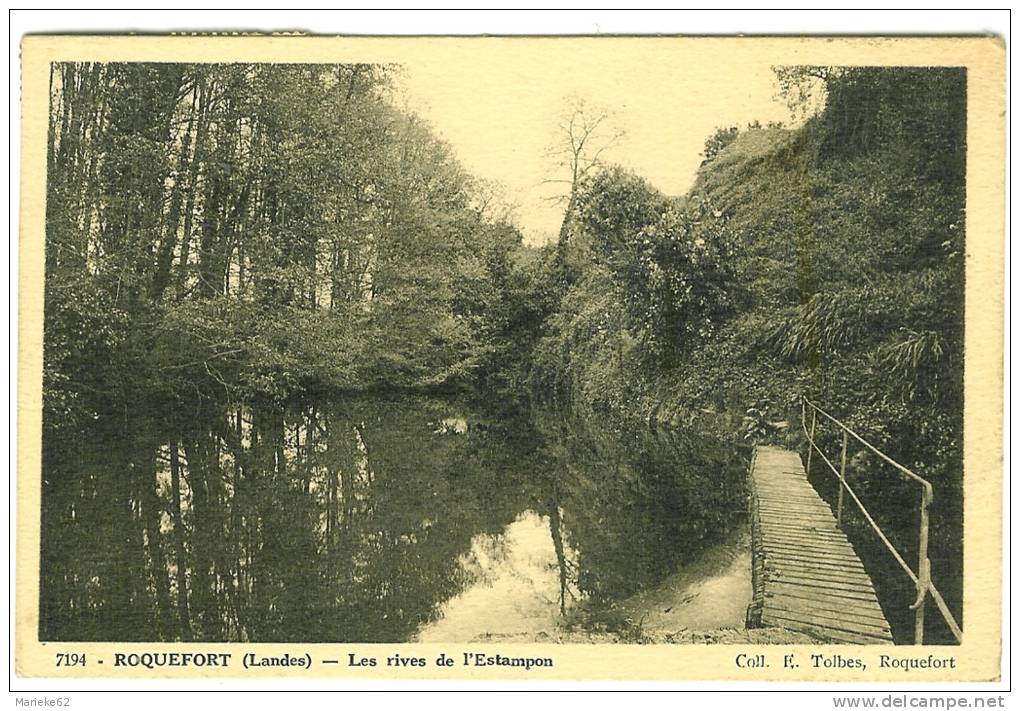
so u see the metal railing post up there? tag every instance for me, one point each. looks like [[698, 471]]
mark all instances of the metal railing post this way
[[811, 439], [922, 578], [923, 569], [842, 481]]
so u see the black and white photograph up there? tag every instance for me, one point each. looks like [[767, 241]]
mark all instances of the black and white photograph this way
[[460, 348], [309, 378]]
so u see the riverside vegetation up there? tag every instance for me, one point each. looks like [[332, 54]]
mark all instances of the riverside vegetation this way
[[297, 365]]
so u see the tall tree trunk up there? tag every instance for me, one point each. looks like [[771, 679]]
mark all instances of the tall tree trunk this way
[[197, 158], [164, 258]]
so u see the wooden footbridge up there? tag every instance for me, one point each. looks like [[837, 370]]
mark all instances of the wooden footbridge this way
[[806, 575]]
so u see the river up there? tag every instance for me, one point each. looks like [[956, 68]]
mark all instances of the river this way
[[388, 520]]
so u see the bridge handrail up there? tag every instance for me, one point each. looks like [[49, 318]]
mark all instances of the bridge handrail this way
[[922, 578]]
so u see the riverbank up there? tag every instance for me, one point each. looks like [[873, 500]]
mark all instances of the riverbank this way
[[825, 260]]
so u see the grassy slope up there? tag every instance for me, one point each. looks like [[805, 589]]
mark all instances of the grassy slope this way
[[879, 248]]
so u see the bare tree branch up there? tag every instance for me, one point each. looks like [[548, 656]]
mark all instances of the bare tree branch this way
[[585, 137]]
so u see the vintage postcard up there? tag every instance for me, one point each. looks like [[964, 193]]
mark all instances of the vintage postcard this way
[[547, 358]]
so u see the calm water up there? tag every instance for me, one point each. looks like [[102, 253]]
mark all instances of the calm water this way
[[371, 520]]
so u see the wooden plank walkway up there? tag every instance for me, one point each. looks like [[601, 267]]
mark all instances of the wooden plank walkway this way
[[806, 574]]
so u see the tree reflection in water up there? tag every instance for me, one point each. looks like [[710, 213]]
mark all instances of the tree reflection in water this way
[[361, 520]]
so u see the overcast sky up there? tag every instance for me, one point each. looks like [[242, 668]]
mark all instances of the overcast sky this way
[[501, 114]]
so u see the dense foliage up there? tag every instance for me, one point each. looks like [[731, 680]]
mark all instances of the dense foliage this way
[[225, 240], [257, 230], [222, 235], [825, 261], [657, 281]]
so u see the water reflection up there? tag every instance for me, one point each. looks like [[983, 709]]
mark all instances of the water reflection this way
[[515, 587], [367, 520]]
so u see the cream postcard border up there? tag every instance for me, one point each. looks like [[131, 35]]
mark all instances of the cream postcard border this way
[[977, 659]]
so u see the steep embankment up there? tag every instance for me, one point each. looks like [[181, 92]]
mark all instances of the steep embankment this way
[[825, 261]]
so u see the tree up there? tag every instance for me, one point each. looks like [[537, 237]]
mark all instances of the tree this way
[[671, 260], [585, 134], [221, 236], [718, 141]]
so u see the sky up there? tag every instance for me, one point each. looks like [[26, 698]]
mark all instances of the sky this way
[[502, 114]]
